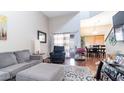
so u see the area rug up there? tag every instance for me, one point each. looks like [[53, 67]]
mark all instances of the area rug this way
[[76, 73]]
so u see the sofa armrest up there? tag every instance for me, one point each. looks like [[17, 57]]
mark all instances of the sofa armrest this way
[[36, 57]]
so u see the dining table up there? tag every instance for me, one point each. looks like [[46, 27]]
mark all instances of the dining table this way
[[97, 51]]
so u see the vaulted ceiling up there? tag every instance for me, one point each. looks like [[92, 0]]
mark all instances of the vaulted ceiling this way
[[52, 14], [99, 24]]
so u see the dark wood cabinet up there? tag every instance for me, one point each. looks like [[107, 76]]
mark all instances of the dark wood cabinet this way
[[112, 72]]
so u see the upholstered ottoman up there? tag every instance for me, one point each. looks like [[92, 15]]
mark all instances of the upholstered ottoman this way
[[42, 72], [4, 75]]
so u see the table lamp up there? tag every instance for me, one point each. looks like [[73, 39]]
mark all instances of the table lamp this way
[[37, 48]]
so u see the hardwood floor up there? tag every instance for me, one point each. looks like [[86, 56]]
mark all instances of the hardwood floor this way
[[90, 62]]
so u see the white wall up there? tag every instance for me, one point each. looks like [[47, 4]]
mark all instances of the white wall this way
[[67, 23], [118, 48], [22, 30]]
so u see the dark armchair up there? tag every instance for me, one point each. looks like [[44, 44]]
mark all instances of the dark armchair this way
[[58, 55]]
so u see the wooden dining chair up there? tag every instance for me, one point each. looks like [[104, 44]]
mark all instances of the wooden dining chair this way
[[103, 50], [90, 52]]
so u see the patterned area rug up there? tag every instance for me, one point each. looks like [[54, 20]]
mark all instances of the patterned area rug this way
[[76, 73]]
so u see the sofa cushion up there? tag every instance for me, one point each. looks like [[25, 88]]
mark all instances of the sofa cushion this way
[[4, 75], [7, 59], [33, 62], [58, 49], [22, 56], [58, 55]]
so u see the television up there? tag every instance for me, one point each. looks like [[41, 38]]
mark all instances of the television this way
[[119, 33]]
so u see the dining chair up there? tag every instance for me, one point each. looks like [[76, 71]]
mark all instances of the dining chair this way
[[89, 52], [103, 50]]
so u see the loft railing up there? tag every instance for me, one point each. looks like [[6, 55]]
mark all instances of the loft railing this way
[[109, 34]]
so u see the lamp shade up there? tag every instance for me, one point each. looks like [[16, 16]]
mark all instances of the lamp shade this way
[[37, 48]]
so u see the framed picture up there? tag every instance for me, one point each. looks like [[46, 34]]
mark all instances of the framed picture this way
[[42, 36], [3, 27]]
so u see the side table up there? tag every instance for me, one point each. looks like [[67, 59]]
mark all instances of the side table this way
[[39, 56], [47, 60]]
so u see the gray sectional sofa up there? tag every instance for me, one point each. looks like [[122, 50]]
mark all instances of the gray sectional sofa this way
[[13, 62]]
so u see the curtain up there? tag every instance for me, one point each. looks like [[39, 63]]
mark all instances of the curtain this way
[[63, 40]]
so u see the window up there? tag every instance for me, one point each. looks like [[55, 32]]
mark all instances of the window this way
[[63, 40]]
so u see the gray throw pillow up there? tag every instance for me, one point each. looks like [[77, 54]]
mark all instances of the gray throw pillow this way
[[7, 59], [22, 56]]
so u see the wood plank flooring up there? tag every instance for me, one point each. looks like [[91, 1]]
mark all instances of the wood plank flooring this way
[[90, 62]]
